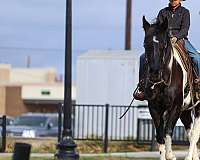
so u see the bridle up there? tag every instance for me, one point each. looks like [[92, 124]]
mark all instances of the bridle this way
[[147, 47]]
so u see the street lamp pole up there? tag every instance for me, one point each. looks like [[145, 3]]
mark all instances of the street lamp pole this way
[[66, 147], [128, 25]]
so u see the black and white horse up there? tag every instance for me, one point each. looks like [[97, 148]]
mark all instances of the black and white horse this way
[[165, 82]]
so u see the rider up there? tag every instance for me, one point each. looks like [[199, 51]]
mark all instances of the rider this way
[[178, 25]]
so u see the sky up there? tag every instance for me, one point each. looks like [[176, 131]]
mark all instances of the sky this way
[[36, 28]]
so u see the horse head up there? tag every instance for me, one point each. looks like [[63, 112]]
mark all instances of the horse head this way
[[157, 48]]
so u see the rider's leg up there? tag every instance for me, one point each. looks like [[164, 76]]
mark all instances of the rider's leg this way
[[195, 56], [139, 94]]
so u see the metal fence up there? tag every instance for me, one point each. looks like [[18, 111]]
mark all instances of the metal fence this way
[[101, 122], [2, 133], [146, 133], [94, 122]]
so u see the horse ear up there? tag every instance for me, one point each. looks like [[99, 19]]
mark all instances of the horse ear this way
[[146, 24]]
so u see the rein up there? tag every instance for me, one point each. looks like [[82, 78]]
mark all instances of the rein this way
[[130, 103]]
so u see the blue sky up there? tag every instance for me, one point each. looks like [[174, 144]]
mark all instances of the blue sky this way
[[36, 28]]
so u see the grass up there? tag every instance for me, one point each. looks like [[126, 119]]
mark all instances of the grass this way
[[49, 146]]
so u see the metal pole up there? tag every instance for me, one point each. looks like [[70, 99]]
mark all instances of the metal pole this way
[[4, 133], [105, 148], [128, 25], [66, 147], [60, 111]]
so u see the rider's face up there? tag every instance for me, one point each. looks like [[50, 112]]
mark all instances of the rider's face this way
[[174, 2]]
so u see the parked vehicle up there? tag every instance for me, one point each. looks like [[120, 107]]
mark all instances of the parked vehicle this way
[[33, 125]]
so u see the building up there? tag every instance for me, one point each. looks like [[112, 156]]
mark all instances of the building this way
[[107, 77], [29, 90]]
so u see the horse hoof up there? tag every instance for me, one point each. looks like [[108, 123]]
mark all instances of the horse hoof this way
[[195, 158], [162, 157], [170, 156], [188, 158], [173, 158]]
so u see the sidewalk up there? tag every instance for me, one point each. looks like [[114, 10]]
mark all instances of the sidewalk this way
[[179, 154]]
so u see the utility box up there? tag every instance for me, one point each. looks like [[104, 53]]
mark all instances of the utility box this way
[[105, 76]]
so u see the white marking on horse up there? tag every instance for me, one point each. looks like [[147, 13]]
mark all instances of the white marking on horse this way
[[170, 62], [194, 138], [155, 40], [162, 151], [168, 145], [195, 155], [187, 100]]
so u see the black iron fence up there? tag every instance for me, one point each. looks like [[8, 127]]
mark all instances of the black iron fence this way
[[146, 133], [101, 122], [97, 122], [2, 133]]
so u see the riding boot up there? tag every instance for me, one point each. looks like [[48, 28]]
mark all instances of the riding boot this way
[[139, 93]]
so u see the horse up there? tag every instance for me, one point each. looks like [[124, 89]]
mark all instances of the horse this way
[[165, 82]]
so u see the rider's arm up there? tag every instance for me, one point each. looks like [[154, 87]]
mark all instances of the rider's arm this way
[[184, 26], [160, 17]]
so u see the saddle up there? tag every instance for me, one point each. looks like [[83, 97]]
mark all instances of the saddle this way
[[187, 64]]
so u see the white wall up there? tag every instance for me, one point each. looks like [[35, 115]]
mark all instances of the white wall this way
[[107, 77]]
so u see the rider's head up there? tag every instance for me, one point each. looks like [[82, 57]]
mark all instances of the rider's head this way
[[175, 3]]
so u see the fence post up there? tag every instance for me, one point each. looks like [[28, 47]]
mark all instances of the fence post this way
[[60, 109], [73, 119], [105, 149], [153, 141], [3, 133]]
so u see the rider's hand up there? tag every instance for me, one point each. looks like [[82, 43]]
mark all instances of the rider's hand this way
[[173, 40]]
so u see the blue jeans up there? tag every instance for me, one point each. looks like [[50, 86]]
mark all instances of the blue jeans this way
[[194, 54]]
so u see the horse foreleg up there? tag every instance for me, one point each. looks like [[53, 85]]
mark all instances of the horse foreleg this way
[[194, 139], [195, 155], [170, 119], [159, 125], [169, 153], [186, 119], [162, 151]]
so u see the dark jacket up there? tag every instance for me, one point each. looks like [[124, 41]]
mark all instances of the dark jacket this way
[[178, 21]]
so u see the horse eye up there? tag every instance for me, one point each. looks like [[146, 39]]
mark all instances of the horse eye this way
[[155, 39]]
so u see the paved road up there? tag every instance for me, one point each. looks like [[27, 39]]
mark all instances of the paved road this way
[[179, 154]]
